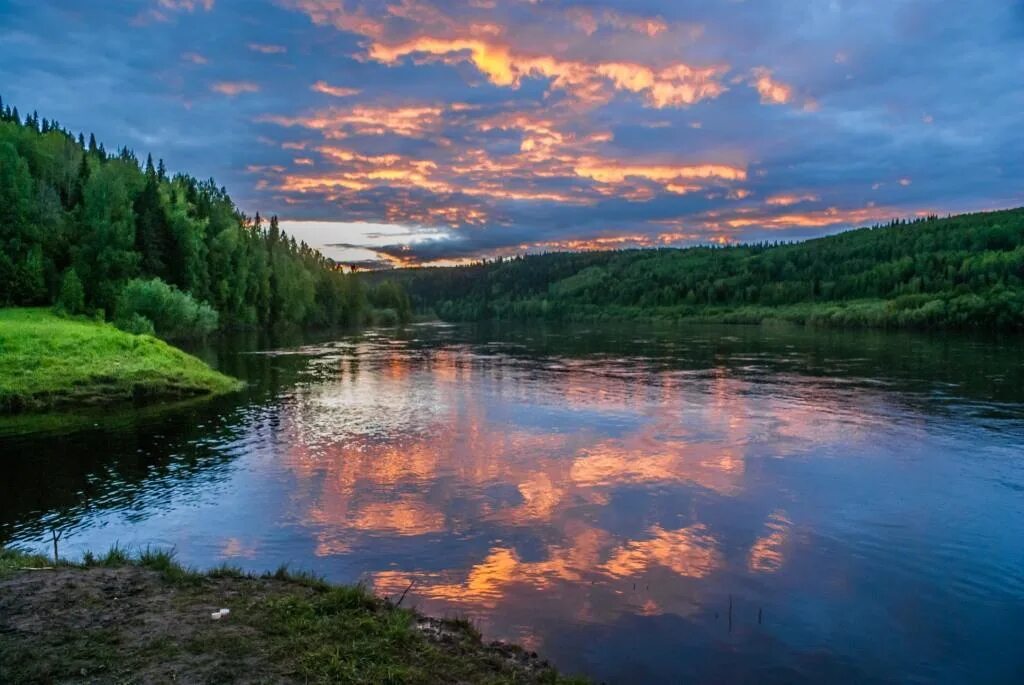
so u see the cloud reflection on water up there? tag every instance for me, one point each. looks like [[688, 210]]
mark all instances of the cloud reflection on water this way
[[599, 469]]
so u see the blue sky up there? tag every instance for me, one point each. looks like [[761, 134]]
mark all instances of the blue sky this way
[[423, 131]]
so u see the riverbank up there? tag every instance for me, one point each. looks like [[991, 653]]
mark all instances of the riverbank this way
[[147, 619], [47, 361], [909, 313]]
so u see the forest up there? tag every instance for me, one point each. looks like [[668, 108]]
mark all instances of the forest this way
[[963, 271], [103, 234]]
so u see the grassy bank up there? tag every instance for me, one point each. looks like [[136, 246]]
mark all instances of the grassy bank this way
[[147, 619], [49, 361]]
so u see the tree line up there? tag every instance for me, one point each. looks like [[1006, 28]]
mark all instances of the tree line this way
[[962, 271], [94, 232]]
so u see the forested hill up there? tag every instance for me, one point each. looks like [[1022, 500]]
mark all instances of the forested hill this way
[[959, 272], [96, 231]]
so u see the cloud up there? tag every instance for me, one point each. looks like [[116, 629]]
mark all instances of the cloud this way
[[491, 49], [519, 126], [233, 88], [339, 122], [787, 199], [267, 48], [336, 91], [772, 92], [589, 21], [676, 85], [186, 5]]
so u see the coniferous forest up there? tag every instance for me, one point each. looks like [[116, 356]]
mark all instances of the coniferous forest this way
[[95, 232], [99, 232], [963, 271]]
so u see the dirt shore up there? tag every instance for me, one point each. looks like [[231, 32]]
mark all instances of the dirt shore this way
[[147, 620]]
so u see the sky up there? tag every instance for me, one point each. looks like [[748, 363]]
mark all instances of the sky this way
[[404, 132]]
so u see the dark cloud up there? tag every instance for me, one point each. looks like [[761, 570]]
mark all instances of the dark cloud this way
[[536, 126]]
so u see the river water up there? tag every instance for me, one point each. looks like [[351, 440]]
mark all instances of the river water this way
[[679, 504]]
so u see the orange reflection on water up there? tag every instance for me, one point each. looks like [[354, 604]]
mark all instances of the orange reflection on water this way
[[690, 552], [487, 582], [463, 448], [766, 556]]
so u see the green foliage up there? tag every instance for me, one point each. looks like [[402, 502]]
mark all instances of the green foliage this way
[[959, 272], [71, 298], [115, 556], [136, 324], [64, 204], [163, 309], [391, 305], [13, 560], [46, 360]]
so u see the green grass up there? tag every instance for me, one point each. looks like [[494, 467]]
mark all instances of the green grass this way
[[49, 361], [13, 560], [283, 627]]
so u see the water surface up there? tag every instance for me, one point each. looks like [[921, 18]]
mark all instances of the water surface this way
[[694, 504]]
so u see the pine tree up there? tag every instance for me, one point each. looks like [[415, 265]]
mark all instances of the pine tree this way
[[71, 298], [151, 231]]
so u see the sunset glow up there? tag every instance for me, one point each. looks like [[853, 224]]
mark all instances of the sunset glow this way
[[528, 126]]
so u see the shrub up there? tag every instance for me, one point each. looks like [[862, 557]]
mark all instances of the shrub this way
[[169, 312], [390, 295], [385, 317], [136, 324]]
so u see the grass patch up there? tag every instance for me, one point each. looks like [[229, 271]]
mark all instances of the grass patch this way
[[125, 617], [13, 560], [50, 361]]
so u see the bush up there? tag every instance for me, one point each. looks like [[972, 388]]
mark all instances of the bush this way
[[137, 324], [71, 298], [169, 312], [390, 295], [385, 317]]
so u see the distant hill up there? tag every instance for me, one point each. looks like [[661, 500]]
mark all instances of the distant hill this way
[[963, 271]]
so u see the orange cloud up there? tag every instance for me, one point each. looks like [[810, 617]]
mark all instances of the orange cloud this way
[[607, 171], [336, 91], [336, 122], [772, 92], [194, 58], [786, 200], [677, 85], [832, 216]]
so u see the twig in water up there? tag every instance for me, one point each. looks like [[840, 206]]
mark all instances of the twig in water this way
[[730, 613], [399, 602], [56, 535]]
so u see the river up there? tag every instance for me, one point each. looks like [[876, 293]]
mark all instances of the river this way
[[638, 504]]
